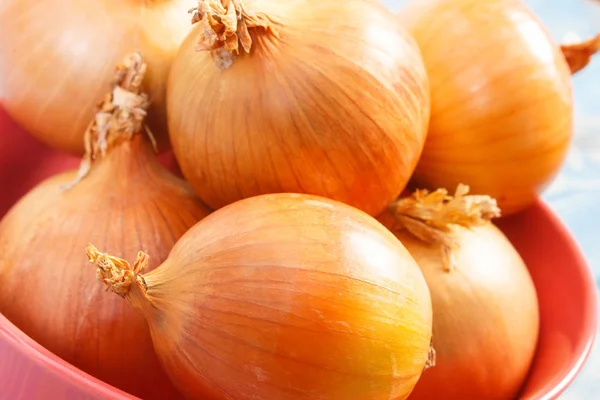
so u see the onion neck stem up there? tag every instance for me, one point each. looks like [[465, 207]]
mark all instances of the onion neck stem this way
[[118, 274], [579, 55], [431, 216], [226, 27], [120, 115]]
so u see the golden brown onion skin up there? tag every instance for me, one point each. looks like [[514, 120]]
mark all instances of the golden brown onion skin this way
[[501, 98], [338, 106], [59, 56], [128, 202], [485, 316], [288, 297]]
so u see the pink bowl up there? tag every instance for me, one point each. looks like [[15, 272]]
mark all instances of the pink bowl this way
[[566, 291], [567, 299]]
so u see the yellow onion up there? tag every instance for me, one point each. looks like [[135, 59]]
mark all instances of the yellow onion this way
[[321, 97], [58, 57], [283, 297], [501, 98], [125, 200], [485, 309]]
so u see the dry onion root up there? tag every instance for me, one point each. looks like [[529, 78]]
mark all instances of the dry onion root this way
[[501, 97], [58, 56], [121, 198], [322, 97], [283, 297], [485, 310]]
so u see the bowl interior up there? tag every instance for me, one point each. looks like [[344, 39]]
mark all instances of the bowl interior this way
[[567, 298], [566, 291]]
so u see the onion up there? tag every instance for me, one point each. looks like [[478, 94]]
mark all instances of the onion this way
[[501, 98], [283, 297], [122, 198], [485, 310], [321, 97], [58, 57]]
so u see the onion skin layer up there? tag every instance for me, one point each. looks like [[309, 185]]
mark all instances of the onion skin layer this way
[[485, 316], [286, 297], [501, 98], [47, 289], [336, 106], [58, 57]]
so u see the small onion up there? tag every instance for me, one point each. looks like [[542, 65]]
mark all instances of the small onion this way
[[122, 198], [321, 97], [58, 56], [485, 309], [501, 98], [283, 297]]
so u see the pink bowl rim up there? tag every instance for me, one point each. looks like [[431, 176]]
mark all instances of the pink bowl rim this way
[[82, 380], [56, 365]]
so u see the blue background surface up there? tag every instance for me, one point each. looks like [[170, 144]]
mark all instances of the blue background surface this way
[[575, 194]]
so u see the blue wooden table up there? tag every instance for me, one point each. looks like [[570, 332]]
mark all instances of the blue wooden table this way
[[575, 194]]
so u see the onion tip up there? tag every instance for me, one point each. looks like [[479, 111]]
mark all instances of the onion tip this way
[[116, 273], [578, 55], [430, 216], [120, 115], [226, 25]]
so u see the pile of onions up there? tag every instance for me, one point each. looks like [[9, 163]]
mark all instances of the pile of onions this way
[[122, 199], [485, 310], [501, 98], [321, 97], [283, 297], [58, 57]]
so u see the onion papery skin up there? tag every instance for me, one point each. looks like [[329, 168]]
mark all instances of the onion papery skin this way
[[58, 58], [501, 98], [485, 316], [336, 106], [47, 289], [285, 297]]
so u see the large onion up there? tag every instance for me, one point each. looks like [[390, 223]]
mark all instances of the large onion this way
[[502, 112], [121, 198], [283, 297], [58, 56], [321, 97], [485, 310]]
